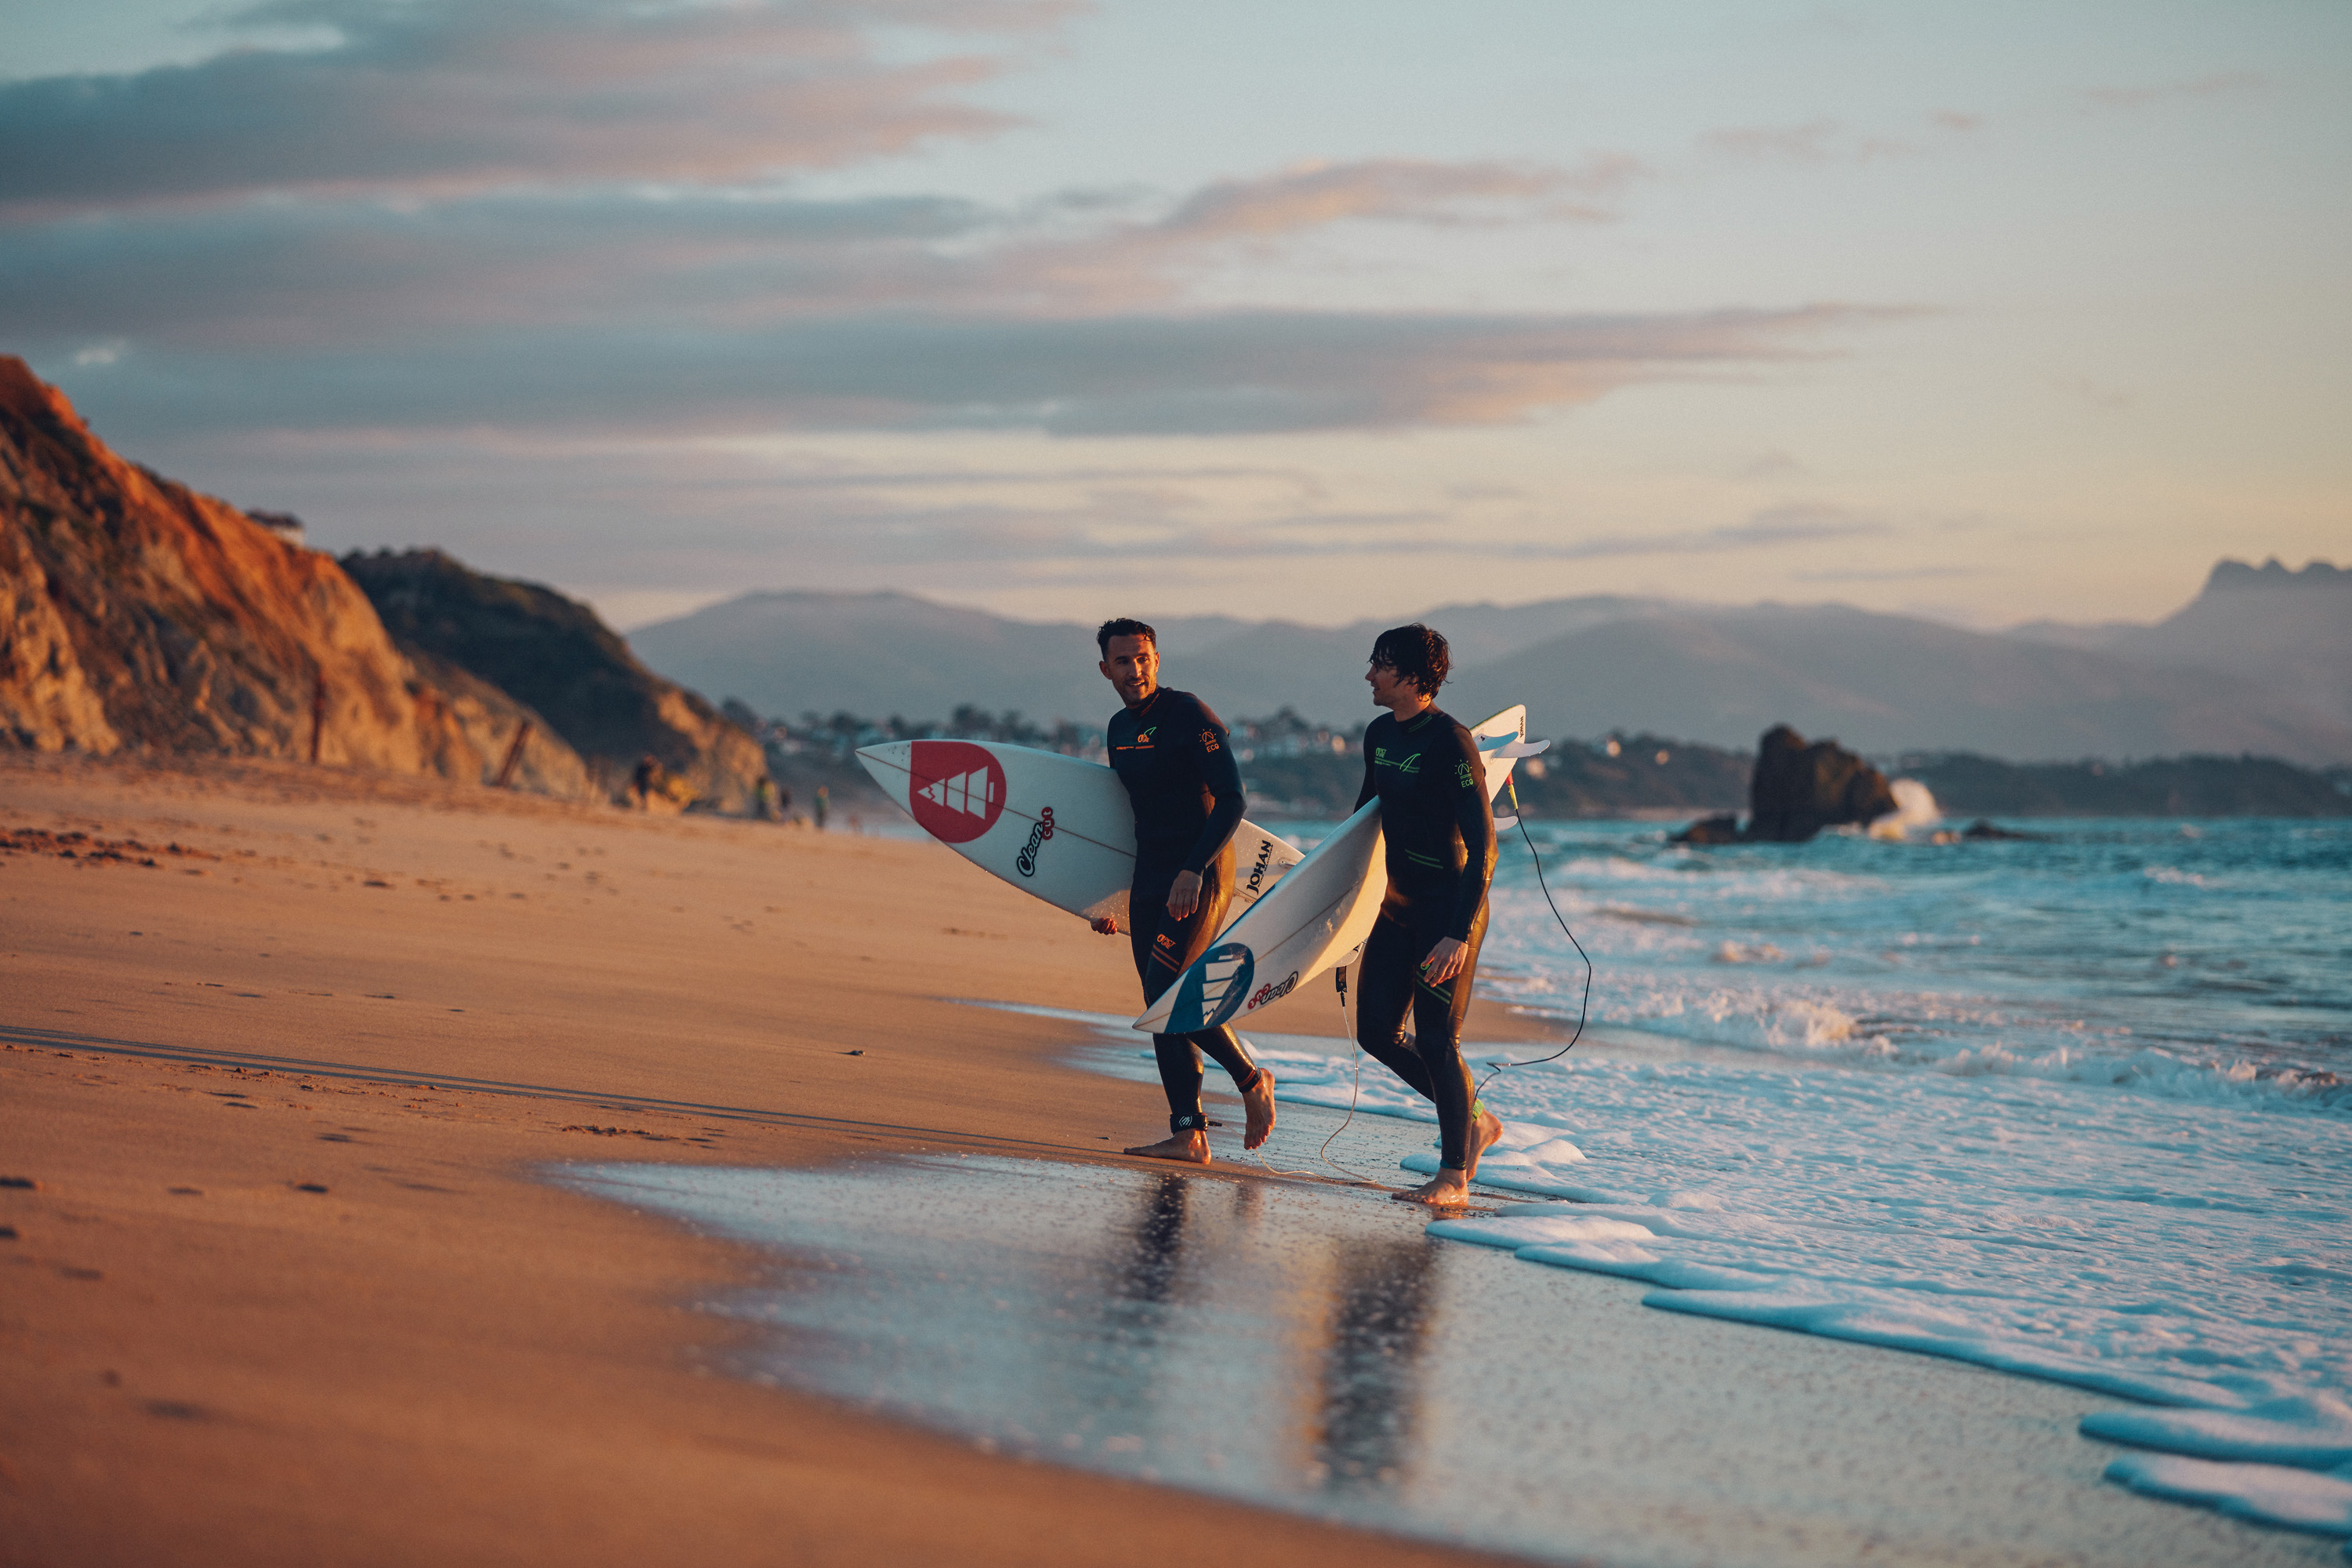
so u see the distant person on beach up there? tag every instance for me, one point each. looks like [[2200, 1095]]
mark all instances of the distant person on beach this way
[[1424, 768], [1172, 755], [645, 781], [823, 800]]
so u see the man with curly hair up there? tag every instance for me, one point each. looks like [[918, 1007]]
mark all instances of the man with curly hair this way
[[1438, 825]]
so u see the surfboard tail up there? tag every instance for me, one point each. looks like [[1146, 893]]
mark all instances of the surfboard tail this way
[[1326, 901], [1321, 911], [1261, 860], [1501, 738]]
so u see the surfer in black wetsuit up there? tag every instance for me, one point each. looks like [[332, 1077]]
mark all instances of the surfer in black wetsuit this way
[[1438, 828], [1172, 755]]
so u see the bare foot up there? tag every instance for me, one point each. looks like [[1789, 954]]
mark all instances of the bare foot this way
[[1446, 1189], [1484, 1131], [1258, 1100], [1192, 1148]]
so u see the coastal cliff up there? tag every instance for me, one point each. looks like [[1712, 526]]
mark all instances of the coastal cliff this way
[[555, 654], [136, 612]]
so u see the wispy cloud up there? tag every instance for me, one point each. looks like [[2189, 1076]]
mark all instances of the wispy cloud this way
[[565, 215], [1819, 141], [1126, 522], [1772, 465], [1400, 189], [319, 274], [1810, 142], [2098, 395], [436, 96], [353, 271], [1814, 141], [1131, 262], [1891, 575], [2210, 85], [1805, 523], [987, 514], [1185, 372]]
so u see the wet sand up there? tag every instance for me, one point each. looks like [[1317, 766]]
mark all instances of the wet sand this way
[[293, 1285], [441, 1357], [1310, 1345]]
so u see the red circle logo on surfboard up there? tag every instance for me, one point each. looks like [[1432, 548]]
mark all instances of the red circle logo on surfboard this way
[[957, 790]]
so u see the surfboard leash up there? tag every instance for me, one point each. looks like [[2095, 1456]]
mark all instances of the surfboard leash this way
[[1355, 1091], [1583, 1011], [1339, 979], [1356, 1088]]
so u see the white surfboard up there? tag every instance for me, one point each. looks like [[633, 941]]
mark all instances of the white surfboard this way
[[1322, 912], [1057, 826]]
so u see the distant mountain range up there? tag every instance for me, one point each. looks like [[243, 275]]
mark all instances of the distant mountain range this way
[[2287, 630], [2260, 662]]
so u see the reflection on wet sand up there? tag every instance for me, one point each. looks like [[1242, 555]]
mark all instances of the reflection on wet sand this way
[[1349, 1317], [1307, 1348], [1271, 1343], [1145, 1264], [1379, 1314]]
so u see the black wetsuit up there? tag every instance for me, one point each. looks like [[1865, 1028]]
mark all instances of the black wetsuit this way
[[1440, 832], [1173, 756]]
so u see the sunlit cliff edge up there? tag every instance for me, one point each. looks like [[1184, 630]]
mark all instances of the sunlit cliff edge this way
[[138, 614]]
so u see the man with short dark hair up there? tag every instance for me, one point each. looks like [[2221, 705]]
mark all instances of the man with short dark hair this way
[[1438, 826], [1172, 755]]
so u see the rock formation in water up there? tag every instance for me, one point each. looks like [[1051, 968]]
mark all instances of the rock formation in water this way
[[1797, 790], [136, 612], [556, 655]]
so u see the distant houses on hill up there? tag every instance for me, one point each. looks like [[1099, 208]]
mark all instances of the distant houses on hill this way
[[1299, 770]]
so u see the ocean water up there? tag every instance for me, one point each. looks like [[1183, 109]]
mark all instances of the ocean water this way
[[2073, 1109], [2201, 960], [2077, 1107]]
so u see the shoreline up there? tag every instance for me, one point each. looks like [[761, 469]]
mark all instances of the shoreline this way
[[446, 1354]]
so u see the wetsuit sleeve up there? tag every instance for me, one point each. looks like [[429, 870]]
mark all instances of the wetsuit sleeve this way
[[1364, 795], [1222, 777], [1464, 784]]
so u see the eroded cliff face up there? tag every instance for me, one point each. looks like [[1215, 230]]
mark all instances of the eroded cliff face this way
[[134, 612], [474, 730], [555, 654], [47, 700]]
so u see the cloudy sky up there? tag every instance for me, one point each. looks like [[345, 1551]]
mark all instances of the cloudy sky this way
[[1315, 309]]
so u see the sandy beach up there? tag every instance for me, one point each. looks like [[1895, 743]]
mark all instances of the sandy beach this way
[[287, 1279]]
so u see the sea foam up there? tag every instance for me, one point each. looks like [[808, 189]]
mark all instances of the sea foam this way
[[2192, 1258], [2071, 1108]]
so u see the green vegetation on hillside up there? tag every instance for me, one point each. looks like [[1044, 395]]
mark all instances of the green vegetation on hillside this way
[[1966, 784], [1296, 769]]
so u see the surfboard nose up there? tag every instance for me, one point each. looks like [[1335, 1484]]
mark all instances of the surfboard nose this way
[[888, 765]]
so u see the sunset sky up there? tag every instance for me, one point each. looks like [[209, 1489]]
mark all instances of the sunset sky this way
[[1318, 310]]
